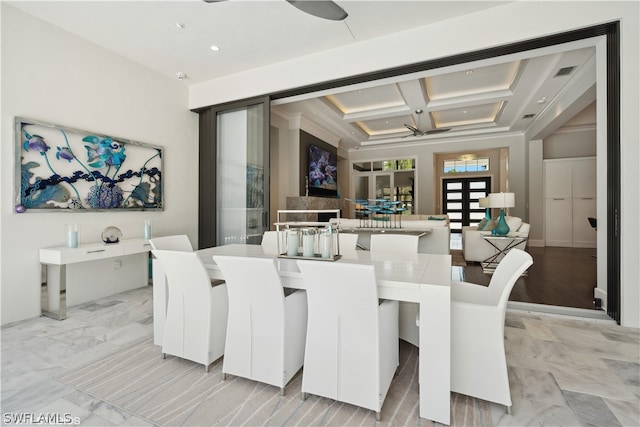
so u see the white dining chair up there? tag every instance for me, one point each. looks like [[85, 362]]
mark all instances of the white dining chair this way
[[270, 242], [348, 242], [478, 361], [266, 331], [177, 242], [394, 243], [352, 339], [196, 320], [401, 244]]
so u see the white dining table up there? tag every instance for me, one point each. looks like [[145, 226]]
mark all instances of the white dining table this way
[[421, 278]]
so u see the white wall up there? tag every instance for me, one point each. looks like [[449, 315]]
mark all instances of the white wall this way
[[52, 76], [465, 34]]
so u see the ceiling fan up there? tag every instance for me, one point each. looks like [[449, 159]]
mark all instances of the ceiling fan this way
[[418, 132], [325, 9]]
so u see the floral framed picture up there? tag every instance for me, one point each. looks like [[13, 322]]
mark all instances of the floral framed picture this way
[[64, 169]]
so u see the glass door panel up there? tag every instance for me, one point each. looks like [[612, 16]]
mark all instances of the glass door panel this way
[[383, 186], [241, 199], [460, 200], [361, 192]]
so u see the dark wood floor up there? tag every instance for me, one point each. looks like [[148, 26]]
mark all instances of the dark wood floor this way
[[562, 277]]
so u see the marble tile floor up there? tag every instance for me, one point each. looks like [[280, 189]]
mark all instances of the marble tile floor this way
[[563, 371]]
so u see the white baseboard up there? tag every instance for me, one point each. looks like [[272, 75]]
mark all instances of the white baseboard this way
[[556, 311], [536, 243]]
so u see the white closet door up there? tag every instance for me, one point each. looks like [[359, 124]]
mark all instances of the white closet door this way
[[558, 222], [584, 178], [570, 198], [558, 179]]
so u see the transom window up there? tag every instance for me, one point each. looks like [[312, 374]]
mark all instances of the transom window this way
[[461, 166]]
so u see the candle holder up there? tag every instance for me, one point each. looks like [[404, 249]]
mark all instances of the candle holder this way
[[147, 229], [72, 235]]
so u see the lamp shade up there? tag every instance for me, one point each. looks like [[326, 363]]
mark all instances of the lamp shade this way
[[483, 202], [502, 200]]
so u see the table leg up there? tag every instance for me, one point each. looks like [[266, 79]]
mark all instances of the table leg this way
[[45, 291], [434, 370], [490, 264]]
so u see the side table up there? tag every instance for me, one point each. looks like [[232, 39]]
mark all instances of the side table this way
[[62, 256], [502, 244]]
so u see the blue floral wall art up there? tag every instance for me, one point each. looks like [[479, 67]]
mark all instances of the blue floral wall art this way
[[63, 169]]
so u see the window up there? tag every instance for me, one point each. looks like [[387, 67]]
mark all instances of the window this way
[[461, 166], [389, 179]]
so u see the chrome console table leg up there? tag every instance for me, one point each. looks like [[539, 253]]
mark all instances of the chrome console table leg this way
[[61, 312]]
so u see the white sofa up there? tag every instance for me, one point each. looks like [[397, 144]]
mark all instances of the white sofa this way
[[477, 249], [436, 239]]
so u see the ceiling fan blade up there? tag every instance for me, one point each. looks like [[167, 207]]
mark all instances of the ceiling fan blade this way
[[325, 9], [411, 128], [434, 131]]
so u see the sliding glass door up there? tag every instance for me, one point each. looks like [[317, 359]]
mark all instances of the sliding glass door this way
[[234, 173]]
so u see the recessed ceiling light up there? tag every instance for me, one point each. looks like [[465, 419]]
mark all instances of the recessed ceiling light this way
[[542, 100], [214, 48], [181, 76], [469, 72], [180, 25]]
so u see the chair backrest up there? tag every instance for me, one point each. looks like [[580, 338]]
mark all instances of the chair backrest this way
[[256, 306], [342, 326], [348, 242], [395, 243], [508, 271], [270, 242], [188, 305], [178, 242]]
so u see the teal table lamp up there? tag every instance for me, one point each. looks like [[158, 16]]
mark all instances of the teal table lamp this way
[[501, 201]]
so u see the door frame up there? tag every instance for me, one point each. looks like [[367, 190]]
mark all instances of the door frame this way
[[208, 167], [611, 30]]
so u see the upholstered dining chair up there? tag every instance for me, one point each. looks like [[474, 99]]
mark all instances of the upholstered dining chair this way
[[348, 242], [478, 361], [177, 242], [401, 244], [270, 242], [352, 340], [196, 320], [266, 331], [394, 243]]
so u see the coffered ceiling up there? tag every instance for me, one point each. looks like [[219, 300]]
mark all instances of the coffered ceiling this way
[[498, 96]]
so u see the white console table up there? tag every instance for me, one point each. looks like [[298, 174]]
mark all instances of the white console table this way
[[62, 256]]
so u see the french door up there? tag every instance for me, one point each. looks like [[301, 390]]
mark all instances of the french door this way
[[460, 200]]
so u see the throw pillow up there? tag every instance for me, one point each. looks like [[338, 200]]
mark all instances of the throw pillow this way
[[490, 225], [437, 218], [482, 224]]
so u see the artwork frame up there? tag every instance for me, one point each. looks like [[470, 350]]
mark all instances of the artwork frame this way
[[62, 169]]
